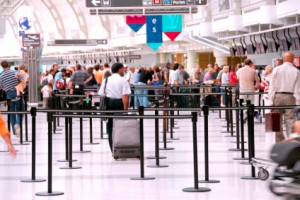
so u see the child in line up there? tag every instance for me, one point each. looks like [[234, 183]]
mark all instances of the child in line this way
[[47, 93], [4, 133]]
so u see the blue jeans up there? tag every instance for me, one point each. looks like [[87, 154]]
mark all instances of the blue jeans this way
[[14, 106], [143, 99]]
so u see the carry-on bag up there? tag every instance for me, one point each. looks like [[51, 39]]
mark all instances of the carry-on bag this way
[[126, 138], [272, 123]]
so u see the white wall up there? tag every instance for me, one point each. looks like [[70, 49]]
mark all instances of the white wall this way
[[147, 60]]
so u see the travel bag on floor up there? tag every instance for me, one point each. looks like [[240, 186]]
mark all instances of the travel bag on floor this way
[[126, 138]]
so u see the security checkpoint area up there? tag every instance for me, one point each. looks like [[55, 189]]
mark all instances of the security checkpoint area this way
[[149, 99]]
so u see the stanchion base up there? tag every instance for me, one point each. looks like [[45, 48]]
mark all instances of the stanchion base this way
[[49, 194], [167, 142], [153, 157], [245, 163], [235, 142], [227, 132], [191, 189], [176, 128], [58, 129], [21, 144], [209, 181], [249, 178], [173, 139], [230, 136], [240, 158], [81, 151], [33, 181], [100, 138], [234, 149], [66, 161], [70, 167], [56, 133], [142, 179], [27, 141], [168, 148], [94, 143], [226, 126], [158, 166]]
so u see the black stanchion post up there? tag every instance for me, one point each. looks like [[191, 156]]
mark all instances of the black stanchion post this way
[[157, 157], [91, 133], [49, 191], [230, 113], [226, 112], [172, 120], [206, 148], [237, 118], [66, 141], [70, 157], [8, 116], [81, 138], [251, 142], [165, 126], [196, 187], [33, 162], [242, 133], [142, 162], [26, 118], [20, 102]]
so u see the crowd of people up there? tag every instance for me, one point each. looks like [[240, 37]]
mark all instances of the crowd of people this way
[[280, 84]]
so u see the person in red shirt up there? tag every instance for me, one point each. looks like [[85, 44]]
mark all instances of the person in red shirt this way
[[233, 77]]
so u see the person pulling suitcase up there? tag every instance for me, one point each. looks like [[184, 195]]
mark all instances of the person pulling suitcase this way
[[116, 89]]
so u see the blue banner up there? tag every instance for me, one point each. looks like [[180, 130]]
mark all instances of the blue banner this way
[[172, 23], [154, 29]]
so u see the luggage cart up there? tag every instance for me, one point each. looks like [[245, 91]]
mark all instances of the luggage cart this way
[[263, 165]]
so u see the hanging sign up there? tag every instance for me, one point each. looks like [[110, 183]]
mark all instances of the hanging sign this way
[[172, 26], [136, 22], [154, 31]]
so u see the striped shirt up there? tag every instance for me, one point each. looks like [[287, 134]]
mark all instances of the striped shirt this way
[[8, 80]]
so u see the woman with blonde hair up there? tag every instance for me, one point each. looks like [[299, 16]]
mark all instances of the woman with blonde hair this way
[[265, 82]]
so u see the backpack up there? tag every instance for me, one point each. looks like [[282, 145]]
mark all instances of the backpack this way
[[45, 82]]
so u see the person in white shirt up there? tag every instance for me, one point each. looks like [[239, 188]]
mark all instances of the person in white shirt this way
[[47, 93], [50, 76], [130, 79], [116, 89], [284, 90]]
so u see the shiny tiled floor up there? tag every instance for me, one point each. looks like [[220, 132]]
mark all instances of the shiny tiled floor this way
[[101, 177]]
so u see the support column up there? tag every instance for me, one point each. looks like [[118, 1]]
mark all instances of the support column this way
[[221, 58], [163, 58], [192, 61]]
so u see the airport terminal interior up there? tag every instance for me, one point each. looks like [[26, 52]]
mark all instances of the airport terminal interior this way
[[202, 99]]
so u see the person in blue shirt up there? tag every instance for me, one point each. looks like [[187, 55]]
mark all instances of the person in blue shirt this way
[[59, 76], [136, 75]]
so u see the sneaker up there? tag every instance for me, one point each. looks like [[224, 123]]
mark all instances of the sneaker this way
[[17, 130]]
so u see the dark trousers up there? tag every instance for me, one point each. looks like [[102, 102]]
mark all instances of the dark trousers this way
[[112, 104]]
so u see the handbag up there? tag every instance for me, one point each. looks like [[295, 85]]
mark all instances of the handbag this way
[[103, 99], [272, 123]]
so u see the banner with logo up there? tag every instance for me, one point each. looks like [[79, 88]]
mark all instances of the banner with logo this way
[[154, 31], [136, 22], [172, 26]]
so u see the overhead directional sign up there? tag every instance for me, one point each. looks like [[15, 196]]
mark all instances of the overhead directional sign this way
[[142, 3], [133, 57], [80, 42], [31, 40]]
